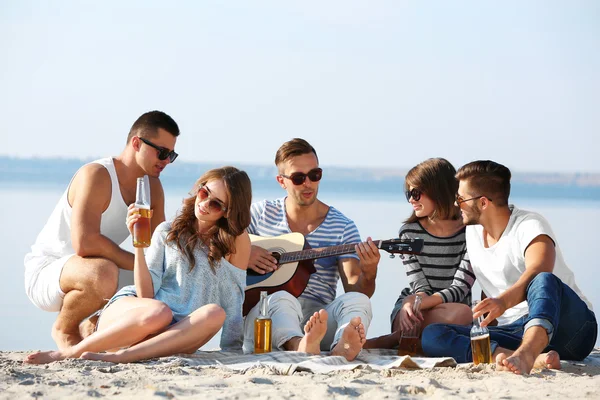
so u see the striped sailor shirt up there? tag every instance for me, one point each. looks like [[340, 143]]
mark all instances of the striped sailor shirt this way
[[443, 267], [269, 219]]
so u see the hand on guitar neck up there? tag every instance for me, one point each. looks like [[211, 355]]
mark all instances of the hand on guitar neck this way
[[285, 262]]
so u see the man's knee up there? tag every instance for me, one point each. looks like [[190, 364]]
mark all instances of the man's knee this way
[[356, 300], [544, 280], [284, 301]]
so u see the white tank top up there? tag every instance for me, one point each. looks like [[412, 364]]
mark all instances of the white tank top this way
[[54, 241]]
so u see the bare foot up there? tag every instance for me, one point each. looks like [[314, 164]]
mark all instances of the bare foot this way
[[87, 327], [65, 340], [549, 360], [44, 357], [314, 330], [352, 340], [518, 363]]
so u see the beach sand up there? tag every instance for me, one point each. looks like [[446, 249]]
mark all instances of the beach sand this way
[[175, 378]]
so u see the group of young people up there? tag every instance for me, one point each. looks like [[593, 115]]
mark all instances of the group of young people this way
[[190, 282]]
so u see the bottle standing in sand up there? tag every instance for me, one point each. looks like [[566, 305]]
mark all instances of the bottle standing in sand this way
[[409, 342], [480, 341], [262, 327], [141, 229]]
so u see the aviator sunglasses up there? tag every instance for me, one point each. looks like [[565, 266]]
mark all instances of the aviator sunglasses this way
[[214, 205], [163, 152], [414, 193], [298, 178]]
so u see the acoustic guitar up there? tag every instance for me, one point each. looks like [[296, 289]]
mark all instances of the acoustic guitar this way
[[295, 263]]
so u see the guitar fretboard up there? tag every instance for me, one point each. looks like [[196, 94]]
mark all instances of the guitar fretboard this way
[[313, 254]]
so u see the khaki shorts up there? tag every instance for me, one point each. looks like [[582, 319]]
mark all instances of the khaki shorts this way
[[43, 283]]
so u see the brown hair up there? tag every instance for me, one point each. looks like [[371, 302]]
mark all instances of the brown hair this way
[[147, 125], [220, 239], [435, 178], [487, 178], [293, 148]]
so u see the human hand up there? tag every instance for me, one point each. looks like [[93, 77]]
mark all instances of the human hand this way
[[408, 318], [133, 214], [369, 256], [493, 306], [261, 260]]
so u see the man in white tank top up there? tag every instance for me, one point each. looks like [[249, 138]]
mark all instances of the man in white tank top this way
[[73, 266], [542, 314]]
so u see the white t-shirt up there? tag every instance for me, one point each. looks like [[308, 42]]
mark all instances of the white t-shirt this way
[[498, 267]]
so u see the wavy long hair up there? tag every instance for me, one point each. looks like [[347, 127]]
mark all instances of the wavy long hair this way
[[435, 178], [220, 239]]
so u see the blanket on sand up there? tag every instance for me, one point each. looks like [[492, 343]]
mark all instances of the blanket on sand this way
[[287, 362]]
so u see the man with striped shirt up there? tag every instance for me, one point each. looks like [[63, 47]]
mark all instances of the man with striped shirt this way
[[338, 325]]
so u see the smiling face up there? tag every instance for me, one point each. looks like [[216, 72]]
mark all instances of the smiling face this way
[[214, 192], [424, 207], [147, 156], [306, 193], [469, 210]]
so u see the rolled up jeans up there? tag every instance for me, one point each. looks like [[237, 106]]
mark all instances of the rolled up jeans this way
[[289, 315], [571, 326]]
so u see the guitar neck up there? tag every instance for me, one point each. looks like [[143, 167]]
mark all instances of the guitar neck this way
[[313, 254]]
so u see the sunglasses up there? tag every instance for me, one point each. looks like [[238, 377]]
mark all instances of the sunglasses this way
[[163, 152], [298, 178], [414, 193], [214, 205], [460, 199]]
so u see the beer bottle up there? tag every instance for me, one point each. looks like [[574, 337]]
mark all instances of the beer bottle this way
[[262, 327], [141, 229], [410, 342], [480, 341]]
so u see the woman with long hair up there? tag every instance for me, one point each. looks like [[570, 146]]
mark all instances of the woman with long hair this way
[[188, 285], [441, 275]]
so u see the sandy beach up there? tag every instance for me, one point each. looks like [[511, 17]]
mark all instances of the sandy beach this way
[[183, 377]]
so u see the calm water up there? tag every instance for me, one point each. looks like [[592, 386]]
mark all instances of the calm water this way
[[24, 211]]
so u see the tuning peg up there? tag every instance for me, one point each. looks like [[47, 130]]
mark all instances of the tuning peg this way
[[392, 256]]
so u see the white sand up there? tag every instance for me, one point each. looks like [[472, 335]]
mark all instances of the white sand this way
[[77, 379]]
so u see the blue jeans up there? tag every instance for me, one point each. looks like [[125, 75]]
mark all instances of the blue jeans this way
[[571, 326]]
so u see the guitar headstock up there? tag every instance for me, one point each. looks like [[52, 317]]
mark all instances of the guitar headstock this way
[[402, 246]]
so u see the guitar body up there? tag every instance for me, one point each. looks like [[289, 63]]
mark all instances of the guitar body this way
[[291, 277]]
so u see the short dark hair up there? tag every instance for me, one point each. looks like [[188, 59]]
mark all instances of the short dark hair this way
[[147, 125], [293, 148], [435, 178], [487, 178]]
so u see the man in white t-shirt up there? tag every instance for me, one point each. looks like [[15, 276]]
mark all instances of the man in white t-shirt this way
[[542, 314], [317, 320]]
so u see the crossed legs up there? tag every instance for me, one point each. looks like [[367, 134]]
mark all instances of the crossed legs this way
[[142, 324]]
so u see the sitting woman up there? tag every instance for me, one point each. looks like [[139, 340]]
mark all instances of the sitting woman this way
[[441, 275], [188, 285]]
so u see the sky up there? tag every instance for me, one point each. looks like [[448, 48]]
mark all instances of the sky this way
[[367, 83]]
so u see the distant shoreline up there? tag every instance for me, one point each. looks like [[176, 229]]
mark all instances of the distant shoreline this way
[[52, 171]]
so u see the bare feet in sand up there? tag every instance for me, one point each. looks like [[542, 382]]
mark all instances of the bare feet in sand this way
[[352, 340], [523, 363], [44, 357], [314, 331]]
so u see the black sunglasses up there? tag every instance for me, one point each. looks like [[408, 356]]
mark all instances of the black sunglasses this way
[[163, 152], [214, 205], [414, 193], [298, 178]]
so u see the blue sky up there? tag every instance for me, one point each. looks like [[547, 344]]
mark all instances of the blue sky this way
[[373, 84]]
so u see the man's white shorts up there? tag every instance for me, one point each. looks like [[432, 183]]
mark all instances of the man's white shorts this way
[[42, 281]]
